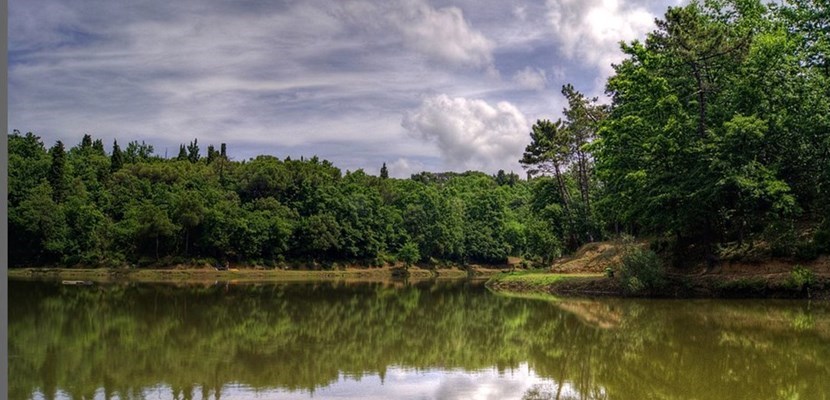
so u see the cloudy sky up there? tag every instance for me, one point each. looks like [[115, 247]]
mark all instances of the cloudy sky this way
[[431, 85]]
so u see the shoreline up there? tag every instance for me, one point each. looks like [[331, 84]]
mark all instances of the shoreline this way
[[251, 275], [566, 285], [713, 286]]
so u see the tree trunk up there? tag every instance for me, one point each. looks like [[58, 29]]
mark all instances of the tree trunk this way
[[563, 191], [583, 178], [701, 100]]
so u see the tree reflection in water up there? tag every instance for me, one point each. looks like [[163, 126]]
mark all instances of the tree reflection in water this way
[[188, 342]]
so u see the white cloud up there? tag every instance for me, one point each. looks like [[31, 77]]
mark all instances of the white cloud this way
[[590, 30], [302, 77], [469, 133], [439, 34], [405, 167], [531, 78], [445, 35]]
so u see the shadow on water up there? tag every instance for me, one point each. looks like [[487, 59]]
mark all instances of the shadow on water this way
[[212, 340]]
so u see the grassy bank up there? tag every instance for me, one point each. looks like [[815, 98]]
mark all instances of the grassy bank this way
[[585, 274], [674, 286], [580, 284], [185, 274]]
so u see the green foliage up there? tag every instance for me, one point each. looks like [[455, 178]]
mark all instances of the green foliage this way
[[28, 166], [781, 237], [117, 158], [535, 279], [39, 227], [193, 151], [384, 172], [138, 152], [182, 153], [641, 270], [144, 210], [58, 174], [408, 254], [806, 251], [562, 150], [718, 127], [801, 278]]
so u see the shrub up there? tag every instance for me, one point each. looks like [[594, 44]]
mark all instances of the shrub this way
[[806, 251], [409, 254], [641, 270], [782, 238], [801, 278]]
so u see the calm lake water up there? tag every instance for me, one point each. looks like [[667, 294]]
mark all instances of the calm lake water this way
[[424, 341]]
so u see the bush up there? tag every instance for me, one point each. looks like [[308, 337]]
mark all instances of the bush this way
[[782, 238], [806, 251], [802, 278], [409, 254], [641, 270]]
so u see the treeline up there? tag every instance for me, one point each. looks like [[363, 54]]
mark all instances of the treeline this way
[[716, 140], [87, 206]]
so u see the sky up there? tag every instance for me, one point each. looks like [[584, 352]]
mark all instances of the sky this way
[[432, 85], [407, 383]]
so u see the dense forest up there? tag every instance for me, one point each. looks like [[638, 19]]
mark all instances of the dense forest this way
[[84, 206], [715, 140]]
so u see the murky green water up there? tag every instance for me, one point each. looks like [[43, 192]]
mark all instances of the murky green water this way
[[376, 341]]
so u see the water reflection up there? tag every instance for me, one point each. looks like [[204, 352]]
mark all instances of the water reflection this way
[[442, 341]]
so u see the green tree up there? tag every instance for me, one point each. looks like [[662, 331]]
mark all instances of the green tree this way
[[88, 229], [384, 172], [86, 143], [153, 224], [58, 175], [193, 151], [117, 158], [212, 154], [39, 227], [408, 254], [28, 165], [138, 152], [583, 117], [318, 236], [98, 147], [809, 21], [182, 153], [681, 152], [188, 214]]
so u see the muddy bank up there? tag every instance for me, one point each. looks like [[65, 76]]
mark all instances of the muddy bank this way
[[189, 274]]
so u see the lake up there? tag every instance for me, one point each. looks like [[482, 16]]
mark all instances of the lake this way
[[440, 340]]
